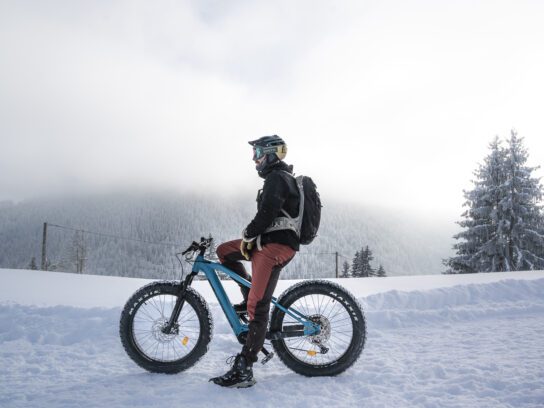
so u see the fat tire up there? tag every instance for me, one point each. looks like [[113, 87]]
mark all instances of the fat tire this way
[[126, 324], [357, 318]]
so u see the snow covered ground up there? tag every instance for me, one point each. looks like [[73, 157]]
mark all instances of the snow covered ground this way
[[433, 341]]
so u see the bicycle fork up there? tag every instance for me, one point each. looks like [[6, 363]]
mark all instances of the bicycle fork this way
[[168, 329]]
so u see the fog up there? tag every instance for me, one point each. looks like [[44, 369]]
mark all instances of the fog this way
[[389, 104]]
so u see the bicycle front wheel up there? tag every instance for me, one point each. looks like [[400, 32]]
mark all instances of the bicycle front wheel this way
[[147, 313], [343, 329]]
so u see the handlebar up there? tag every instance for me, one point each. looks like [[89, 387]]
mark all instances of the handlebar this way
[[201, 246]]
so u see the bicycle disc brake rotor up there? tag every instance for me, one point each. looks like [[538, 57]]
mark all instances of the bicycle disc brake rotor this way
[[157, 329], [325, 333]]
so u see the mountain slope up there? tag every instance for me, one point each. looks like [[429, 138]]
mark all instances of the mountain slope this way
[[403, 244]]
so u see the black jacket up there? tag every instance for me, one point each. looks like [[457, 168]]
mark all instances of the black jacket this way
[[279, 192]]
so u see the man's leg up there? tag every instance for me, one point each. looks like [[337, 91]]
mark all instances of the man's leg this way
[[229, 255], [266, 265]]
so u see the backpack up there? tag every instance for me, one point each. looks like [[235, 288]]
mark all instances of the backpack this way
[[306, 223]]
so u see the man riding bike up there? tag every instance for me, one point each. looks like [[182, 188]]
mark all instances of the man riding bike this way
[[268, 249]]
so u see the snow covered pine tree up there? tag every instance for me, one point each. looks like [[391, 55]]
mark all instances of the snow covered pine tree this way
[[361, 268], [503, 222], [366, 258], [356, 266], [381, 272], [521, 210]]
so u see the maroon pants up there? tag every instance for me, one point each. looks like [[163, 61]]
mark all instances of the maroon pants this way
[[266, 265]]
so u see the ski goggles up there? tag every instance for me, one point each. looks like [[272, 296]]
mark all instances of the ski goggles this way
[[260, 151]]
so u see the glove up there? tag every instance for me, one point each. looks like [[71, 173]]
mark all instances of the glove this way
[[246, 246]]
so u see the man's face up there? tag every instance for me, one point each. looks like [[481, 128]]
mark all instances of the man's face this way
[[258, 155], [260, 161]]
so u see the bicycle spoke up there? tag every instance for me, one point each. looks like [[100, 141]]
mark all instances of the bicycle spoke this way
[[153, 303], [326, 306], [337, 330], [146, 313], [150, 319]]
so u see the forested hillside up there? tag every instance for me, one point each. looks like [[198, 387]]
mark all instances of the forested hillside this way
[[170, 221]]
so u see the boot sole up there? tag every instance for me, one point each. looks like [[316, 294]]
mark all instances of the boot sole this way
[[244, 385]]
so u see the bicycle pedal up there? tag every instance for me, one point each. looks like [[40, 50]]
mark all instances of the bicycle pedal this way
[[267, 358]]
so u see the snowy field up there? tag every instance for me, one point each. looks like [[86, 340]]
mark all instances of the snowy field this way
[[433, 341]]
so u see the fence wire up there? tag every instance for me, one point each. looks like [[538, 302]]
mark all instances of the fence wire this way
[[99, 253]]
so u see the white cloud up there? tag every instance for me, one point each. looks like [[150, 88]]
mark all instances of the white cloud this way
[[389, 103]]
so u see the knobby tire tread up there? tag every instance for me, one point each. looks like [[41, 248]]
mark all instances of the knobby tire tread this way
[[359, 329], [205, 319]]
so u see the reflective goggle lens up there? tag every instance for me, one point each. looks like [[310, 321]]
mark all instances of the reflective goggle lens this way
[[258, 152]]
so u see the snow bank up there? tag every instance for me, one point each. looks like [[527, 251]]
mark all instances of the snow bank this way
[[55, 288], [62, 325], [509, 297], [466, 341]]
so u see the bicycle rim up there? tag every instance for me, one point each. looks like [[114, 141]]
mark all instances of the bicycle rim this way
[[336, 330], [152, 316]]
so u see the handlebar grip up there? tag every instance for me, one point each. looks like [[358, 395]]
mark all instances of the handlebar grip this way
[[193, 247]]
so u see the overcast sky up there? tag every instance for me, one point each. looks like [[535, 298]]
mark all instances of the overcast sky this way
[[383, 103]]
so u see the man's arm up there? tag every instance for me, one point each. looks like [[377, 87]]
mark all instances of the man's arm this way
[[275, 192]]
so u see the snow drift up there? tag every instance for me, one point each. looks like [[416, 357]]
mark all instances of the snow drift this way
[[477, 344]]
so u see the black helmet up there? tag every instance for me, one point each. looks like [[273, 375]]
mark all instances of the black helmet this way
[[273, 147]]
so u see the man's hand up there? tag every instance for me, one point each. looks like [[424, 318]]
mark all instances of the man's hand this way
[[246, 246]]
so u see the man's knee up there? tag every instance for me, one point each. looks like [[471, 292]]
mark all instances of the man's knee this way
[[221, 252], [229, 249]]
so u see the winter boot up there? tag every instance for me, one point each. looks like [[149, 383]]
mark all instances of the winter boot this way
[[239, 376]]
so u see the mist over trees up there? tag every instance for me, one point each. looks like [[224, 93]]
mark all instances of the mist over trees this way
[[504, 223], [172, 220]]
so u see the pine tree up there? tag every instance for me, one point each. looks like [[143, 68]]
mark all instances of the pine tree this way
[[540, 229], [521, 210], [366, 258], [345, 270], [381, 272], [502, 221], [356, 270], [481, 248], [361, 267], [362, 262]]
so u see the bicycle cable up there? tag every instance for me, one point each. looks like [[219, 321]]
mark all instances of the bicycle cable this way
[[181, 264]]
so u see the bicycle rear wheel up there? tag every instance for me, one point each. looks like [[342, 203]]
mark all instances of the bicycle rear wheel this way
[[343, 329], [147, 312]]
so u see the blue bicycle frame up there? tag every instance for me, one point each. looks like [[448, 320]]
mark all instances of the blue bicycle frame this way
[[210, 271]]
